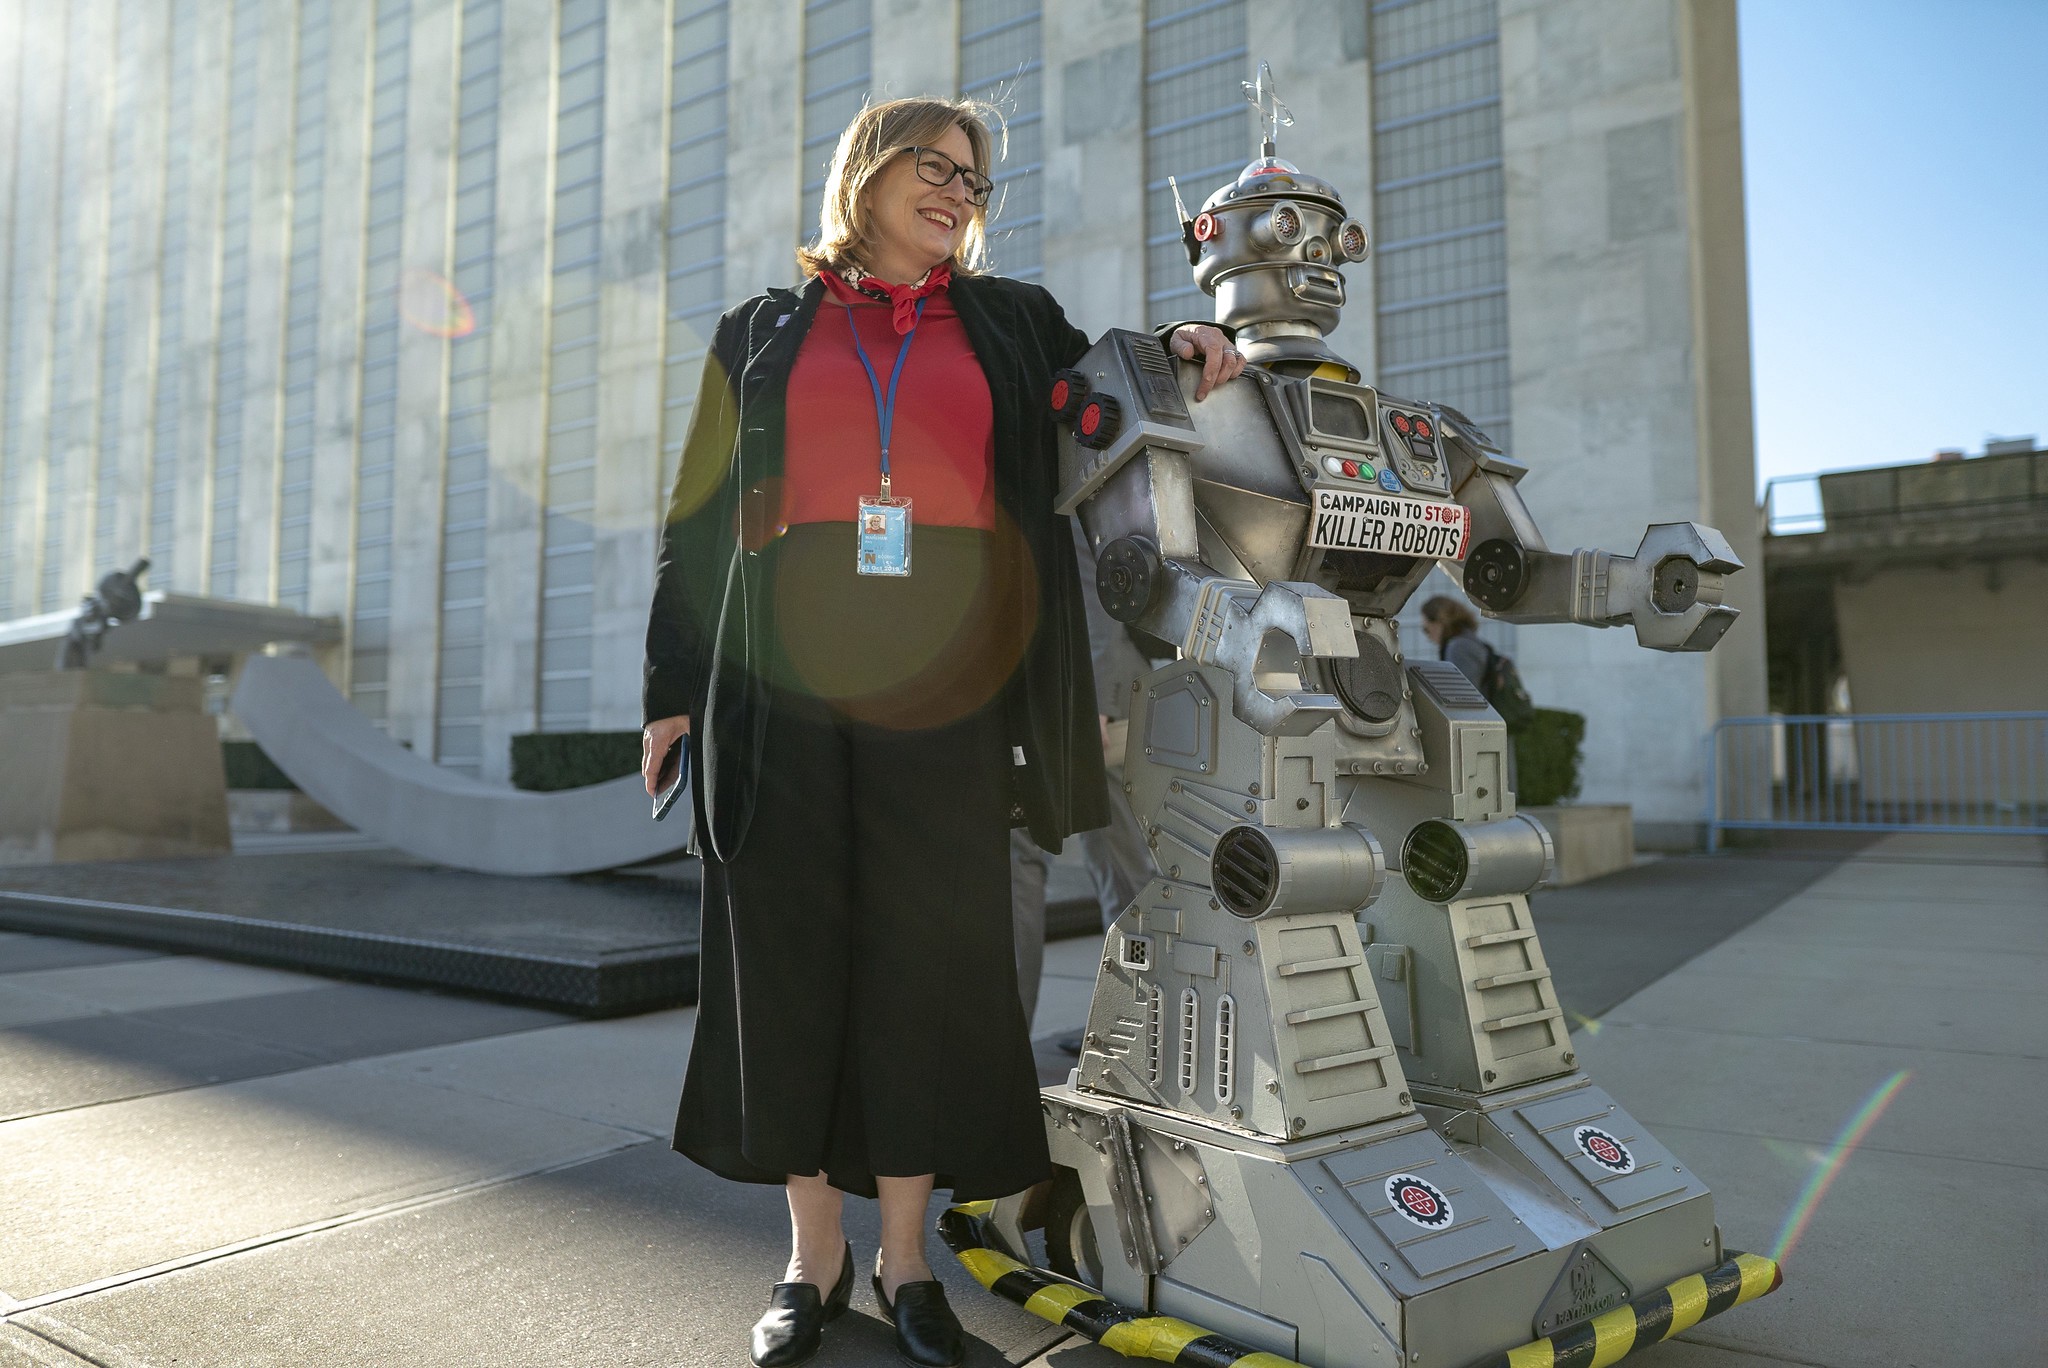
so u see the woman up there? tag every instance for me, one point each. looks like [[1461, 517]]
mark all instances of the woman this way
[[1451, 627], [864, 737]]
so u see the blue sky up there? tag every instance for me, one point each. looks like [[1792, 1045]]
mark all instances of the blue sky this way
[[1896, 157]]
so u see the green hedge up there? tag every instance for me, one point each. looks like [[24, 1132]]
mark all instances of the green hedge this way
[[249, 768], [546, 761], [1547, 757]]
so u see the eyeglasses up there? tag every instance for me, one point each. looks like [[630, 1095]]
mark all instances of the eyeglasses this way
[[936, 168]]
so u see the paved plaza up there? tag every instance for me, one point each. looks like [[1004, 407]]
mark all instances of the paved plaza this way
[[212, 1163]]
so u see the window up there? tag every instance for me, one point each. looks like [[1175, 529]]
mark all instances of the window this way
[[129, 60], [302, 303], [231, 331], [1198, 129], [1002, 63], [71, 407], [836, 71], [377, 393], [696, 219], [1439, 206], [458, 703], [572, 383]]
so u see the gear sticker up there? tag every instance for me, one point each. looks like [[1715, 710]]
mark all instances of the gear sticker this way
[[1419, 1202], [1604, 1150]]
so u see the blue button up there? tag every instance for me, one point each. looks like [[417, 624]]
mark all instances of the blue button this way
[[1389, 481]]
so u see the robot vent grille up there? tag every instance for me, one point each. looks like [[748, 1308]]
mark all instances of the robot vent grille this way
[[1190, 1025], [1226, 1049], [1435, 861], [1245, 871], [1155, 1007]]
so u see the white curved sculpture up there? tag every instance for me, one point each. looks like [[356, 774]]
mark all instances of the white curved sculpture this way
[[343, 762]]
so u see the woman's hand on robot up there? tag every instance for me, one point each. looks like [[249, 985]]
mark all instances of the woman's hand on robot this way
[[1220, 360], [655, 739]]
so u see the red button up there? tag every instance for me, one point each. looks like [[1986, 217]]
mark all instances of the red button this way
[[1351, 469]]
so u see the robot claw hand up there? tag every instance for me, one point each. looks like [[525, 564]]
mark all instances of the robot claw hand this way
[[1669, 590]]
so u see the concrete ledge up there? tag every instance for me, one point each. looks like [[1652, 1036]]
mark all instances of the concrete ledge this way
[[105, 766], [279, 810], [1592, 839], [596, 946], [610, 983]]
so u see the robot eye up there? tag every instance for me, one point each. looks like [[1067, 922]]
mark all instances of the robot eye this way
[[1286, 224], [1207, 227]]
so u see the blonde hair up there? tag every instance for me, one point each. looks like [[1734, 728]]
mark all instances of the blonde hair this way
[[877, 133]]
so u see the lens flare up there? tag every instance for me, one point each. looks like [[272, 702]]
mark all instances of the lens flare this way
[[1590, 1025], [761, 514], [1830, 1166], [430, 302]]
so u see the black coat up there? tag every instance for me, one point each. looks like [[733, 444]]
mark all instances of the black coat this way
[[706, 575]]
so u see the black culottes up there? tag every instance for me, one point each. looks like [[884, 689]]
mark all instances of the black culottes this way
[[858, 1012]]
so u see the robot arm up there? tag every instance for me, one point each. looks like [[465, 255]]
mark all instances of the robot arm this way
[[1128, 471], [1258, 634], [1669, 590]]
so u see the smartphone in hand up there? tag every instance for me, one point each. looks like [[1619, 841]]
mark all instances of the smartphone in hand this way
[[673, 776]]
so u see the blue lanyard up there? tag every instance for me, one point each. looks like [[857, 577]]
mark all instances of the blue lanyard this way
[[885, 411]]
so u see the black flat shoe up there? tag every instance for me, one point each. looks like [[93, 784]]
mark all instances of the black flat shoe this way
[[788, 1333], [928, 1334]]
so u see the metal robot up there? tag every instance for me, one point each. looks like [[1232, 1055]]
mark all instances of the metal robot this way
[[1327, 1107]]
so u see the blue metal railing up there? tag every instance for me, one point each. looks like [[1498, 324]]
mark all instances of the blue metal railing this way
[[1961, 772]]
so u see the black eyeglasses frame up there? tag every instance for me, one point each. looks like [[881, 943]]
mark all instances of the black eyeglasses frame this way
[[978, 186]]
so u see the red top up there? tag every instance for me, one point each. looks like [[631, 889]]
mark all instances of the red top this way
[[942, 450]]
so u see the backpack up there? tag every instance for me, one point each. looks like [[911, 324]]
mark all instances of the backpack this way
[[1502, 685]]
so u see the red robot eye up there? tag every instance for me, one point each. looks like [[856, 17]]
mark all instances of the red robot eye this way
[[1207, 228]]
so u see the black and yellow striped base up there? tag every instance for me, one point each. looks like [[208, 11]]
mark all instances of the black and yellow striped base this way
[[1086, 1311], [1603, 1340], [1650, 1319]]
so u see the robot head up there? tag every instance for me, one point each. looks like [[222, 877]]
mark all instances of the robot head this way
[[1268, 247]]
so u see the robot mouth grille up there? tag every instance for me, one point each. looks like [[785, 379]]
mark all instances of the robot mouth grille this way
[[1246, 871]]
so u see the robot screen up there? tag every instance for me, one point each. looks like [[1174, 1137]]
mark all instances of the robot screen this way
[[1340, 415]]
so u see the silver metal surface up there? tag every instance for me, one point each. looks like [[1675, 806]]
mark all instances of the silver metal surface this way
[[1313, 1108], [1313, 869]]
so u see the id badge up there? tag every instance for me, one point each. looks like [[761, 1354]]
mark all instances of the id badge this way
[[882, 546]]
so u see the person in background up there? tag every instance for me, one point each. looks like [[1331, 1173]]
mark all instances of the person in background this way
[[1117, 860], [1451, 625]]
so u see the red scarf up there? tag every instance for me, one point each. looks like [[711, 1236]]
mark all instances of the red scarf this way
[[851, 285]]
